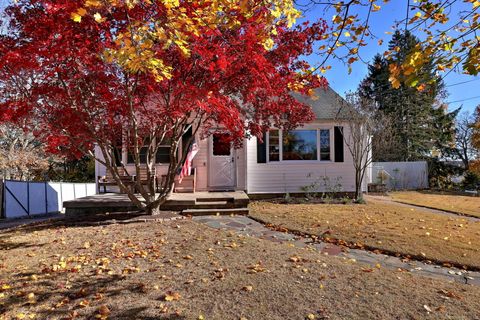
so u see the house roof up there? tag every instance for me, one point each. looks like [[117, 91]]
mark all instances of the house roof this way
[[326, 104]]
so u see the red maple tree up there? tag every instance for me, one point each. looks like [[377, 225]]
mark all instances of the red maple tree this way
[[58, 71]]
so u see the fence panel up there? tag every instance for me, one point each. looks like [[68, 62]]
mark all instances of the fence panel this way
[[80, 190], [54, 196], [37, 201], [22, 198], [401, 175], [68, 192], [16, 199]]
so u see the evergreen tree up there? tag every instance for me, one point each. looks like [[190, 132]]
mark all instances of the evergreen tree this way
[[418, 123]]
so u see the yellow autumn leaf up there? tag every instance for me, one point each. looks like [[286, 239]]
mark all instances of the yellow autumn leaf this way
[[5, 287], [171, 296], [84, 303], [268, 44], [76, 17], [98, 17], [395, 82], [376, 7]]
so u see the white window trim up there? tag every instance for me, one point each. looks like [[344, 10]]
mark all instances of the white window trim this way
[[280, 137]]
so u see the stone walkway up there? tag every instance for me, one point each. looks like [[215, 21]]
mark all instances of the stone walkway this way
[[249, 227]]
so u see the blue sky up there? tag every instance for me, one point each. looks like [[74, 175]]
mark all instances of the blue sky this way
[[382, 22], [460, 94]]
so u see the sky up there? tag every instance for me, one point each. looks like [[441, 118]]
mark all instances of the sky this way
[[463, 90], [382, 22]]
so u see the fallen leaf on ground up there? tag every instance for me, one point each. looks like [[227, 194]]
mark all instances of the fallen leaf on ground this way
[[247, 288], [171, 296]]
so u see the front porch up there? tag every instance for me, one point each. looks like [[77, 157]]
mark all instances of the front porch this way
[[197, 203]]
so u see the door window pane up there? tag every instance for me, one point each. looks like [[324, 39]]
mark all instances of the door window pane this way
[[274, 145], [300, 145], [221, 145], [324, 144]]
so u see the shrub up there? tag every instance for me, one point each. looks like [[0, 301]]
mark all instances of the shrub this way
[[471, 181]]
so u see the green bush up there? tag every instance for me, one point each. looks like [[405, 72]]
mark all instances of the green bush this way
[[440, 174], [471, 181]]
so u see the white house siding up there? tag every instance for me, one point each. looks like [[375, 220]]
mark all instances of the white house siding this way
[[200, 163], [285, 176], [241, 160], [274, 177]]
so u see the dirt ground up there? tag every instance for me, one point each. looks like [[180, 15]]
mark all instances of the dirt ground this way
[[381, 225], [184, 270], [449, 202]]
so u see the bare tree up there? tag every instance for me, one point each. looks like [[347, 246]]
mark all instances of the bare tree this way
[[363, 121], [464, 149], [21, 155]]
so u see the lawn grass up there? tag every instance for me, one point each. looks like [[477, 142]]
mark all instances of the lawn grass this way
[[185, 270], [386, 226], [454, 203]]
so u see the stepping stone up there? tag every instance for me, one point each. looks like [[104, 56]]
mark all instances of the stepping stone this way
[[332, 250], [235, 224]]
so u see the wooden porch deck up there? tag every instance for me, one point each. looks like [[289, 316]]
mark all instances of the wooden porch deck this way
[[198, 203]]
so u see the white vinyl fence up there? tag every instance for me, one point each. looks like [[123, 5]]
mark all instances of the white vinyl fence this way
[[401, 175], [24, 198]]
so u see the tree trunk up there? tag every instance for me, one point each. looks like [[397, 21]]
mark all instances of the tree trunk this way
[[154, 207], [358, 186], [153, 210]]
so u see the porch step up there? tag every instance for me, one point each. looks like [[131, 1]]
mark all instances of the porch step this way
[[209, 212], [184, 189], [215, 199], [213, 205]]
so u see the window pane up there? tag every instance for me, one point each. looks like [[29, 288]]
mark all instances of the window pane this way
[[325, 144], [274, 145], [300, 145], [163, 155], [221, 145], [143, 156]]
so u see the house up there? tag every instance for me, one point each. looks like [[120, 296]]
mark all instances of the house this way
[[313, 156]]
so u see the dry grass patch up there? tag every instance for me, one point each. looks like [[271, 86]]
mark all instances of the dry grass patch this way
[[185, 270], [381, 225], [455, 203]]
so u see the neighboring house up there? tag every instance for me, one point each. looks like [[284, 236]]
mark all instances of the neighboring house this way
[[283, 162]]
